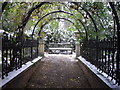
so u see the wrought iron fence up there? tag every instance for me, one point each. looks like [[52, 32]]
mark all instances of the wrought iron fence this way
[[102, 54], [15, 53]]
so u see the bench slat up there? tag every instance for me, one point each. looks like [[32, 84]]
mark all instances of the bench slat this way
[[60, 48]]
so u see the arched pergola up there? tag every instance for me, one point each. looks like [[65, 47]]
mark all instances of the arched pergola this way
[[58, 18], [105, 54], [52, 20], [39, 5]]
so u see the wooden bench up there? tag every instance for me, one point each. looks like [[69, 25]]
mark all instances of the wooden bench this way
[[60, 50]]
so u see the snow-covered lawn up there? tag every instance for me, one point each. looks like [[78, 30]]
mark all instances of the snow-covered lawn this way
[[103, 76], [14, 73]]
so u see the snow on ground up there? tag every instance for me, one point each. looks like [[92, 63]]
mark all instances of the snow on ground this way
[[103, 76], [14, 73]]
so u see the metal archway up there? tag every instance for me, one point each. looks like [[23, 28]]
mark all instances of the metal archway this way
[[58, 12], [55, 19]]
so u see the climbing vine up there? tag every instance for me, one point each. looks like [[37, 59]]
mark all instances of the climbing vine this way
[[91, 19]]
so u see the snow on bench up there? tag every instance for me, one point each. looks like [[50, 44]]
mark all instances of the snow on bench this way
[[58, 50]]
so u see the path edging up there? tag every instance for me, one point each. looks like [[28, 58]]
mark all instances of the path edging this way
[[95, 71], [15, 73]]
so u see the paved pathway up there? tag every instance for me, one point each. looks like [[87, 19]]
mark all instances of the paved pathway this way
[[61, 71]]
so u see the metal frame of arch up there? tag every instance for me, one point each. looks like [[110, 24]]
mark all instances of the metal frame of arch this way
[[39, 5], [26, 19], [55, 19], [90, 16], [59, 12]]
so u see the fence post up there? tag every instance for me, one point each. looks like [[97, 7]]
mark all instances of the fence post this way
[[41, 47], [1, 33], [37, 47], [77, 49], [77, 44]]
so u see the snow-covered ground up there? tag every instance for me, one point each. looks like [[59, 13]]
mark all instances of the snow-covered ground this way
[[103, 76], [14, 73]]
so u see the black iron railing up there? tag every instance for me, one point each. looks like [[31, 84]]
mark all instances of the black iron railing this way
[[16, 53], [103, 53]]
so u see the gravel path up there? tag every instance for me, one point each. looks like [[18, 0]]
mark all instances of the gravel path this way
[[61, 71]]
